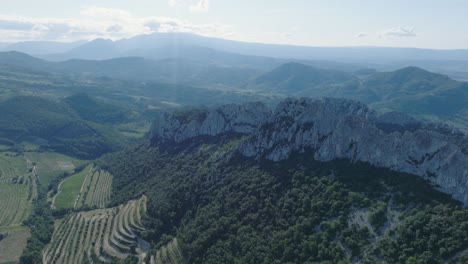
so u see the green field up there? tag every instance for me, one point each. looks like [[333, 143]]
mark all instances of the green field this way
[[50, 165], [70, 188], [12, 246]]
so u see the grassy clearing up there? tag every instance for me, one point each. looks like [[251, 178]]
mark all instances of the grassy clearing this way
[[12, 246], [70, 188], [101, 234]]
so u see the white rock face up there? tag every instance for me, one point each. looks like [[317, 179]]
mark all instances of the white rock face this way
[[332, 129], [244, 118]]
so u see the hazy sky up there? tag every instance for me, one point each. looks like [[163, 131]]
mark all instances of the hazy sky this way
[[408, 23]]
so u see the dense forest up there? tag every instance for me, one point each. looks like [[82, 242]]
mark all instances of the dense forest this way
[[224, 208]]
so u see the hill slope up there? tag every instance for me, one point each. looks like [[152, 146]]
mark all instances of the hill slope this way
[[293, 77], [411, 90], [65, 127], [227, 201]]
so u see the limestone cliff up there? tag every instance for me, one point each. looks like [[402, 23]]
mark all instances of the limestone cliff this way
[[331, 129]]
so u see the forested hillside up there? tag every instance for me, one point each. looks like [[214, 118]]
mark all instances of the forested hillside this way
[[226, 208]]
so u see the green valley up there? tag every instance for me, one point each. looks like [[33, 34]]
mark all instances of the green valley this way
[[175, 148]]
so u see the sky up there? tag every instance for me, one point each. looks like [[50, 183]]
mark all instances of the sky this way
[[441, 24]]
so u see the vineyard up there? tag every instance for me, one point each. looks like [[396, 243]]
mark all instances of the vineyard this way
[[18, 188], [99, 235], [168, 254], [96, 189], [89, 188]]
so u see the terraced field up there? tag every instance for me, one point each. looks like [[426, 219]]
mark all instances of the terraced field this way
[[96, 189], [99, 235], [168, 254]]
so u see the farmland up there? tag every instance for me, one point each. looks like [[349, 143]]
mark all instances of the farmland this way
[[20, 175], [99, 235], [50, 165], [18, 188], [69, 189], [96, 189], [89, 188], [13, 243]]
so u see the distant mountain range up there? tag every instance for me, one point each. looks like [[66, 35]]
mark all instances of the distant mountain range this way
[[148, 46], [159, 46], [412, 90]]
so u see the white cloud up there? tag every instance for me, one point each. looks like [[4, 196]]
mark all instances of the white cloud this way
[[105, 14], [98, 22], [361, 35], [172, 3], [201, 6], [398, 32], [115, 28]]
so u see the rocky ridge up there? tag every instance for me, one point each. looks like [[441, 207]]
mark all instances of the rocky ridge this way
[[330, 129]]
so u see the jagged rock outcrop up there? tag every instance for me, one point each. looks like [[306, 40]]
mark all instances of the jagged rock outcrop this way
[[180, 126], [332, 129]]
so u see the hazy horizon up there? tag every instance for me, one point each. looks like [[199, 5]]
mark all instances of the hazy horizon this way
[[253, 42], [415, 24]]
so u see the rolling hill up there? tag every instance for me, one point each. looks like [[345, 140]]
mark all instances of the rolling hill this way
[[411, 90], [68, 126], [291, 78]]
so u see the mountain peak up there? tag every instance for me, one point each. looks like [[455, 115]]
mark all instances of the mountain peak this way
[[413, 72]]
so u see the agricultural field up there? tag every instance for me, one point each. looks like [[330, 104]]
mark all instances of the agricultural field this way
[[99, 235], [18, 188], [51, 165], [12, 244], [89, 188], [168, 254], [96, 189], [69, 189], [12, 166]]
